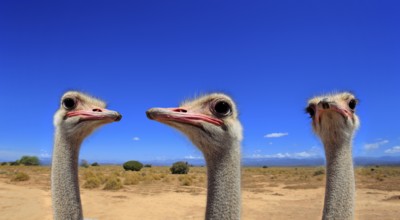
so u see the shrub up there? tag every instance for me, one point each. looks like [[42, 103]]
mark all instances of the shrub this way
[[319, 172], [265, 166], [95, 164], [92, 182], [180, 168], [20, 176], [131, 179], [133, 165], [15, 163], [84, 163], [186, 182], [87, 174], [147, 165], [29, 160], [117, 173], [113, 184], [4, 163], [90, 176]]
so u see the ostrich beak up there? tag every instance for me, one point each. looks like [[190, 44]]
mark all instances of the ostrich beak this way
[[181, 115], [95, 114], [332, 106]]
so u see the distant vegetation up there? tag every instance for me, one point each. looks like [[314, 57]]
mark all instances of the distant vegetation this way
[[29, 161], [132, 165], [147, 165], [180, 168], [254, 179], [95, 164], [15, 163], [85, 163], [25, 160]]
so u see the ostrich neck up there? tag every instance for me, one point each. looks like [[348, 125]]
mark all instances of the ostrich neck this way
[[340, 184], [223, 195], [64, 179]]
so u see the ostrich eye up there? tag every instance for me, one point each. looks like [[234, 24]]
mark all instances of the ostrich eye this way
[[222, 108], [69, 103], [310, 110], [352, 104]]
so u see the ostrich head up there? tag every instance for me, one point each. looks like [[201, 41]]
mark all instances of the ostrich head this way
[[333, 116], [211, 122], [80, 114]]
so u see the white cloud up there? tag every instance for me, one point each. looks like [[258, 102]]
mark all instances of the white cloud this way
[[314, 152], [393, 150], [376, 145], [276, 135], [190, 157], [136, 138], [44, 154]]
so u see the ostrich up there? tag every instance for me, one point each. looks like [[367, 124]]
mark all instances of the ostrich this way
[[211, 123], [78, 116], [334, 121]]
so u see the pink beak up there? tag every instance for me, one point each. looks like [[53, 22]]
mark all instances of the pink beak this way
[[96, 114], [181, 115]]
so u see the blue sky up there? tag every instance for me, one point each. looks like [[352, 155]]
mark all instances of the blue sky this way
[[270, 56]]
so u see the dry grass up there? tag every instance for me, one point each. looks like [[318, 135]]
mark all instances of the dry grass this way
[[113, 183], [377, 177], [20, 176], [290, 177], [159, 179]]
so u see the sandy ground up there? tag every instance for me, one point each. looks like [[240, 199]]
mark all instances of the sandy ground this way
[[29, 202]]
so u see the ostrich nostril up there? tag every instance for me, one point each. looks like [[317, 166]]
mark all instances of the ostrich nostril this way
[[325, 105], [149, 115], [97, 110], [180, 110]]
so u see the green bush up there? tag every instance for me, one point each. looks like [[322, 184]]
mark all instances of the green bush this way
[[95, 164], [147, 165], [29, 161], [84, 164], [15, 163], [4, 163], [265, 166], [20, 176], [133, 165], [179, 168]]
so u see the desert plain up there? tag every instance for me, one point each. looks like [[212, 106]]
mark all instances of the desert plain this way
[[110, 192]]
